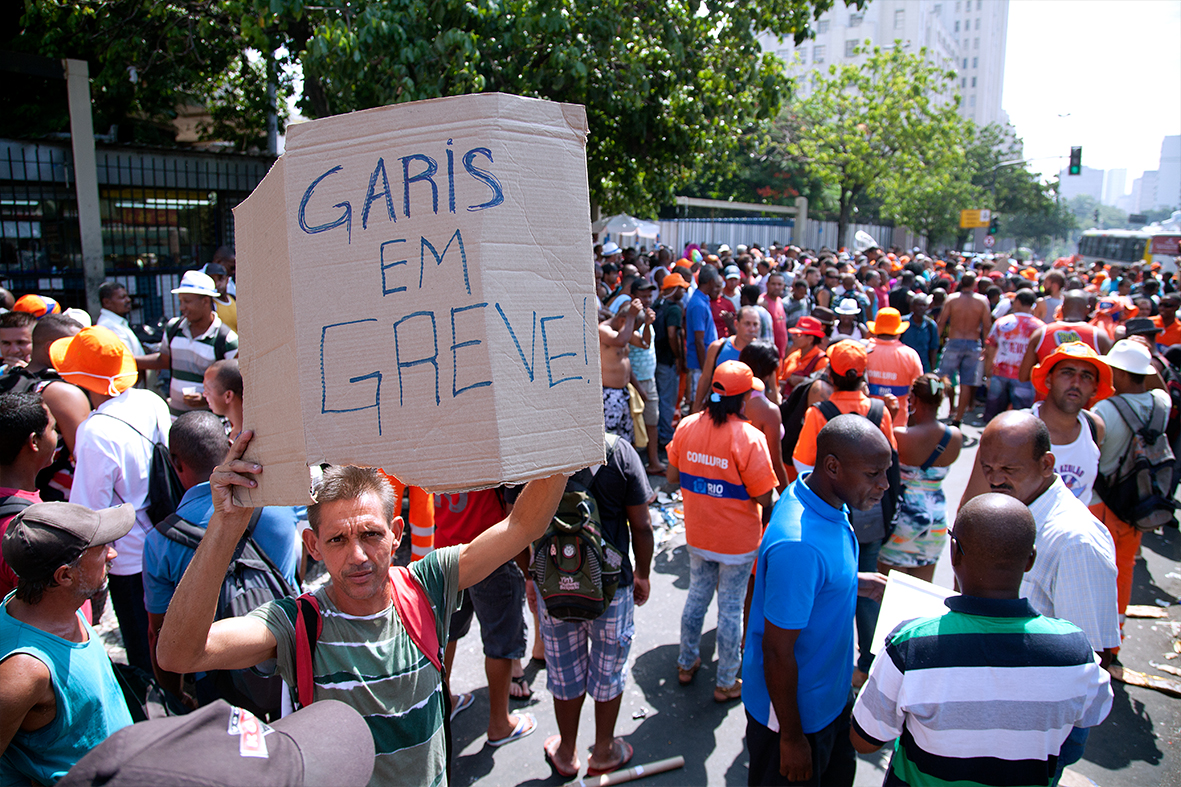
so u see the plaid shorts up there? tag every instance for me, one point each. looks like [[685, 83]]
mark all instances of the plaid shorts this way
[[572, 669]]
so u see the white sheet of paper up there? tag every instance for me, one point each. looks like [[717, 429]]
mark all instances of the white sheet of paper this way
[[907, 598]]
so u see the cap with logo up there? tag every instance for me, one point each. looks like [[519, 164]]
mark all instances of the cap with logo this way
[[807, 326]]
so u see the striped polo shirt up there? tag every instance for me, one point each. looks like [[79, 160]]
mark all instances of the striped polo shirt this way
[[371, 663], [191, 356], [985, 694]]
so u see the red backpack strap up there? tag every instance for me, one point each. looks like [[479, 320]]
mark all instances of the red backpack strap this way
[[308, 626], [417, 613]]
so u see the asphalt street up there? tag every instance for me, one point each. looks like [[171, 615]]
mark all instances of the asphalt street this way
[[1135, 747]]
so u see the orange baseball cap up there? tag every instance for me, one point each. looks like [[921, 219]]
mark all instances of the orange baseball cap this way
[[1079, 351], [847, 355], [673, 280], [889, 321], [95, 359], [733, 378], [37, 305]]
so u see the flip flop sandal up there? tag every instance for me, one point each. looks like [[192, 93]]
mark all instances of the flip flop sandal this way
[[462, 703], [523, 685], [526, 726], [551, 745], [628, 753]]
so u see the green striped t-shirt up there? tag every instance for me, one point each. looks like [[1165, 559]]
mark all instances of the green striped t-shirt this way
[[371, 663]]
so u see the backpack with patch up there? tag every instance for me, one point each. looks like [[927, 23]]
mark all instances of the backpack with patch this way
[[1138, 492], [250, 581], [164, 487], [877, 408], [575, 567]]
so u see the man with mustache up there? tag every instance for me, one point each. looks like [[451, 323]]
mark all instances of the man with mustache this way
[[59, 697], [1074, 577]]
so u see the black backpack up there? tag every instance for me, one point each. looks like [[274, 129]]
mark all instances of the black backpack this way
[[792, 412], [1138, 492], [164, 488], [12, 505], [18, 379], [251, 580], [575, 566], [877, 408]]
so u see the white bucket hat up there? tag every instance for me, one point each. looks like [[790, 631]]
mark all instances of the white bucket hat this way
[[197, 283], [848, 306], [1130, 356]]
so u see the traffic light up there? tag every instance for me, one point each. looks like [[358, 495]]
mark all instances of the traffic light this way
[[1076, 161], [994, 226]]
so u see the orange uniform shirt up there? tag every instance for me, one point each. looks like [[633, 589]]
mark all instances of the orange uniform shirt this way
[[802, 363], [892, 367], [722, 468], [1168, 336], [814, 421]]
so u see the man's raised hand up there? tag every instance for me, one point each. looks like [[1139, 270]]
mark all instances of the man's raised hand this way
[[234, 471]]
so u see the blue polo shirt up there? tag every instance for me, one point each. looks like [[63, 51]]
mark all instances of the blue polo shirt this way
[[806, 580], [698, 317], [165, 560]]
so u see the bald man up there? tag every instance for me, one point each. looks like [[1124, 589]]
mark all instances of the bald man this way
[[1074, 577], [798, 661], [955, 690]]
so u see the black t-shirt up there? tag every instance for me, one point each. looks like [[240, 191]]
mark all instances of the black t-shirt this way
[[620, 483], [667, 314]]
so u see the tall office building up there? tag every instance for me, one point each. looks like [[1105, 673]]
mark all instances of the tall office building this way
[[967, 36], [1168, 182], [1113, 186], [1089, 182]]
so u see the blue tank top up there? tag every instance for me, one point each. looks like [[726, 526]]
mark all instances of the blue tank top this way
[[90, 704], [727, 352]]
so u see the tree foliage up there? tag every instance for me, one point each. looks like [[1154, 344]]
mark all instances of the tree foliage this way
[[877, 127], [669, 87]]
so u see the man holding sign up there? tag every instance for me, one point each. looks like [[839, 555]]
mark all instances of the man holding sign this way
[[364, 655]]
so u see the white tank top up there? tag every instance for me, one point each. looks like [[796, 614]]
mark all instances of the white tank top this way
[[1078, 463]]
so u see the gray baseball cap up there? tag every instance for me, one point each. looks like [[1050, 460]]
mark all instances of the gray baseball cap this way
[[46, 536]]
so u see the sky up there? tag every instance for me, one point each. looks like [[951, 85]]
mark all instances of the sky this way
[[1103, 74]]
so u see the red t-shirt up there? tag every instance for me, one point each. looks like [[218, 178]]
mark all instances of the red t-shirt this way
[[460, 517], [723, 468], [7, 576], [1058, 333], [716, 307]]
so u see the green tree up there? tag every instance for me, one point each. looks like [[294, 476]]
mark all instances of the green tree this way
[[871, 129], [668, 87]]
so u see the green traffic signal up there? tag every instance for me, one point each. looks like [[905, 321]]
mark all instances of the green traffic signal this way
[[1076, 161], [994, 226]]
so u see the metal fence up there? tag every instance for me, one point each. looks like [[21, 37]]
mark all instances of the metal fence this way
[[711, 233], [163, 212]]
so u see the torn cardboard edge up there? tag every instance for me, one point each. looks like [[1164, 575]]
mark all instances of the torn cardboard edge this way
[[408, 239]]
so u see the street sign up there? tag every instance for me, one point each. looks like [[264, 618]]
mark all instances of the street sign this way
[[970, 219], [989, 241]]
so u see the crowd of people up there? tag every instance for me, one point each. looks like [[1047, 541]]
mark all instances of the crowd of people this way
[[804, 407]]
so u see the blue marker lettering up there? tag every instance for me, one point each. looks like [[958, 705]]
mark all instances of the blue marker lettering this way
[[427, 175], [346, 218], [487, 177], [451, 177], [433, 359], [385, 288], [548, 357], [529, 367], [371, 197], [371, 376], [426, 244], [455, 345]]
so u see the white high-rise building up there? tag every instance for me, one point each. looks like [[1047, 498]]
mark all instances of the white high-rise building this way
[[1089, 182], [1168, 183], [1113, 186], [967, 36]]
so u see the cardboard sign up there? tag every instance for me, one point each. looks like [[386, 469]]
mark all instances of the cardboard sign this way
[[907, 598], [416, 289]]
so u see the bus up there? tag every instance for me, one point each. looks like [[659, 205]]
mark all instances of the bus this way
[[1127, 246]]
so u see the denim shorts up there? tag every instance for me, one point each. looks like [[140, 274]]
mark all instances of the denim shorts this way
[[498, 602], [962, 357]]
